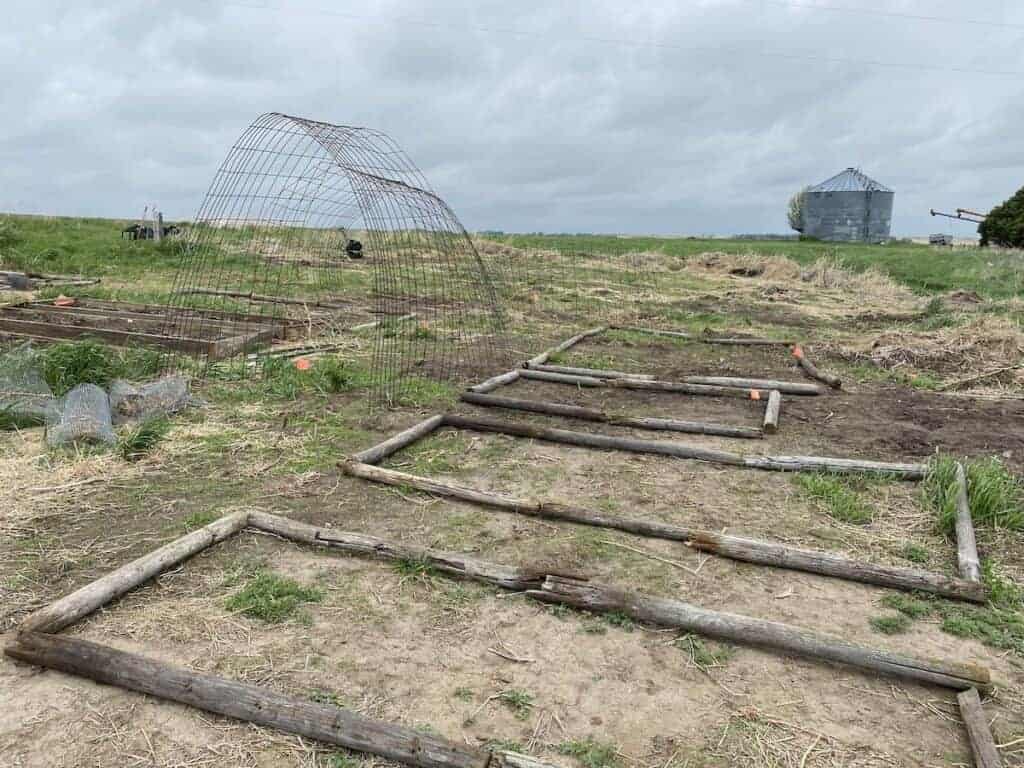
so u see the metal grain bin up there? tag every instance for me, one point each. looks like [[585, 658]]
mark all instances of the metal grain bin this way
[[849, 207]]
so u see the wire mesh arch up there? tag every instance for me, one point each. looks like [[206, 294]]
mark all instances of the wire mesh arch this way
[[310, 226]]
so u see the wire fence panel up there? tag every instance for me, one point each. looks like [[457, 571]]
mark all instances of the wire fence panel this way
[[311, 227]]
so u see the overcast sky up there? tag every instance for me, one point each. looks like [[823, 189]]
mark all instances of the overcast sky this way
[[677, 116]]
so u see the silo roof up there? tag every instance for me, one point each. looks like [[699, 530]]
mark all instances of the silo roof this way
[[850, 180]]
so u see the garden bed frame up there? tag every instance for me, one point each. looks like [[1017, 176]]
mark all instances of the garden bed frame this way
[[38, 643]]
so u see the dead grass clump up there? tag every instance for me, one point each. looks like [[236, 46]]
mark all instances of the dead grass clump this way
[[751, 738], [750, 264], [983, 344], [829, 272]]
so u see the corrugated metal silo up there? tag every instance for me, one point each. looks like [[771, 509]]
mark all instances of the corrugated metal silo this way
[[848, 207]]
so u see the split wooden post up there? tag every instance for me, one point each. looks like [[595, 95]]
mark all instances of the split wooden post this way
[[812, 372], [760, 632], [80, 603], [768, 553], [771, 412], [591, 414], [451, 563], [544, 356], [966, 546], [597, 373], [681, 451], [252, 704], [158, 226], [397, 442], [983, 746]]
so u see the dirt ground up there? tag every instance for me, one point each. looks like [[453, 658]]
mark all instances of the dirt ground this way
[[433, 653]]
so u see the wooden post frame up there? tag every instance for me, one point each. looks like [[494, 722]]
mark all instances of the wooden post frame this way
[[592, 414], [739, 548], [678, 450], [333, 725]]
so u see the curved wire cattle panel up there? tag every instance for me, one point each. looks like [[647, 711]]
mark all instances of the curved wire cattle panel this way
[[310, 227]]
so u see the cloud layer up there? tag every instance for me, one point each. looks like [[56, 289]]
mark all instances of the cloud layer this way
[[606, 116]]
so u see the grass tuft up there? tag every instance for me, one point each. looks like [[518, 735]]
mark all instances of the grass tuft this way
[[199, 520], [703, 653], [995, 495], [272, 598], [909, 606], [591, 753], [86, 361], [895, 624], [836, 495], [142, 438], [915, 553], [518, 700]]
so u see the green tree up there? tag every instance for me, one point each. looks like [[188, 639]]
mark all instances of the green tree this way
[[1004, 224], [795, 211]]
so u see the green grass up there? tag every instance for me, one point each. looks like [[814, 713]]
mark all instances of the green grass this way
[[995, 495], [995, 274], [143, 437], [836, 495], [896, 624], [411, 568], [12, 418], [67, 364], [272, 598], [462, 693], [704, 653], [999, 624], [915, 553], [518, 700], [908, 605], [199, 520], [591, 753]]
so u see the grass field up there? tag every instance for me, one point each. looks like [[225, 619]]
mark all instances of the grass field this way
[[403, 643], [925, 269]]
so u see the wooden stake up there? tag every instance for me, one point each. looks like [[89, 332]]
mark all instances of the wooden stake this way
[[251, 704], [983, 746], [494, 382], [750, 631], [771, 412], [681, 451], [766, 553], [451, 563], [598, 373], [966, 546], [70, 608], [590, 414], [543, 357], [397, 442], [808, 368]]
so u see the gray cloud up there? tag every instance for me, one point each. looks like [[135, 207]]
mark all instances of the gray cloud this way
[[696, 117]]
